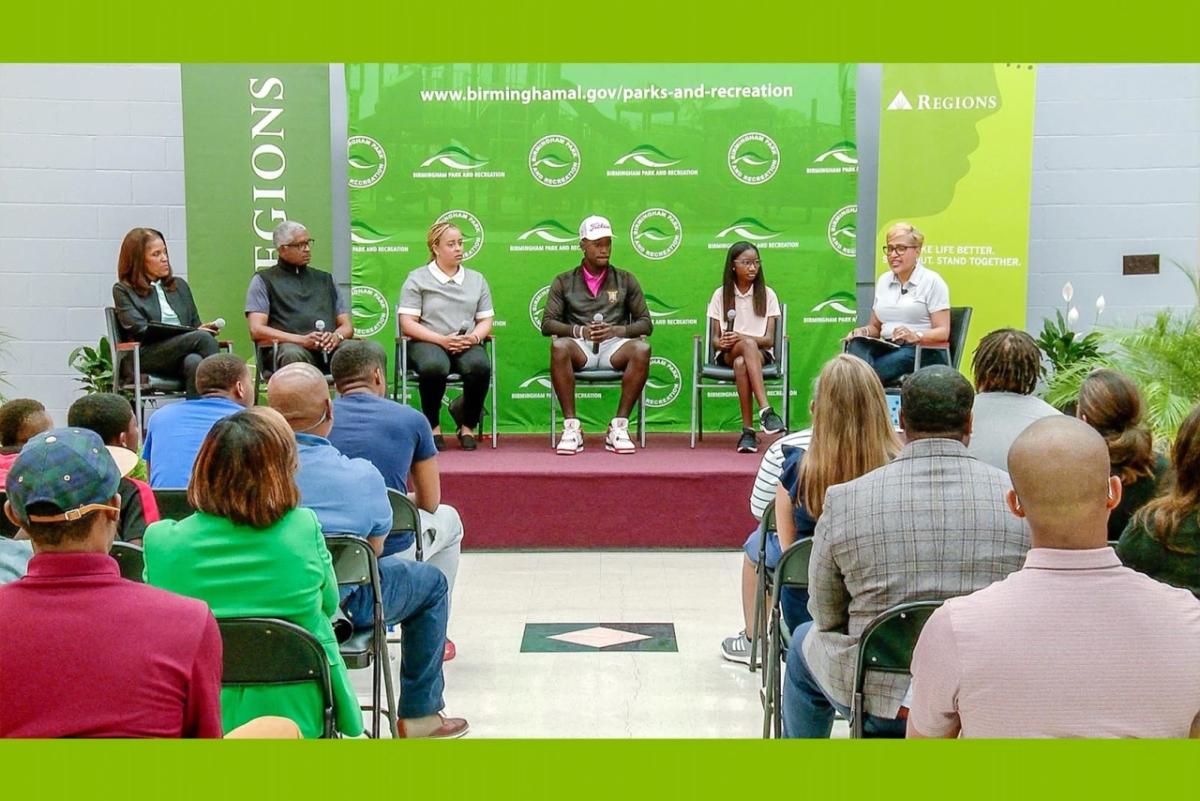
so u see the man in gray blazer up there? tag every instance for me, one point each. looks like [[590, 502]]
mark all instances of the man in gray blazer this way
[[929, 526]]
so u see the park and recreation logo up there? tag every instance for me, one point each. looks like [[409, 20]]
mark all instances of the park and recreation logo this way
[[842, 230], [841, 158], [753, 158], [664, 383], [546, 236], [648, 160], [366, 161], [927, 102], [366, 238], [454, 161], [663, 312], [837, 308], [554, 160], [369, 310], [754, 231], [656, 233], [472, 230], [537, 307], [537, 386]]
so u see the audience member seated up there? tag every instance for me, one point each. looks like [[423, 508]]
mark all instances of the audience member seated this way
[[852, 435], [348, 496], [112, 417], [296, 306], [1110, 403], [249, 551], [1073, 644], [398, 440], [175, 432], [20, 420], [931, 525], [1007, 365], [1163, 538], [86, 653]]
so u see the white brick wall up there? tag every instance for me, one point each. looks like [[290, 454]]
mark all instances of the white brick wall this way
[[1116, 171], [86, 153]]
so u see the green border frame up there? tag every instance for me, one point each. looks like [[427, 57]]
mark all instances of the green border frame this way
[[618, 30]]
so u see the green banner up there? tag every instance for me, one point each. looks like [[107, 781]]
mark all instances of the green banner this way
[[684, 159], [256, 152], [955, 160]]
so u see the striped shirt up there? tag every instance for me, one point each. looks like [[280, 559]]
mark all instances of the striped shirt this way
[[1072, 645], [763, 494]]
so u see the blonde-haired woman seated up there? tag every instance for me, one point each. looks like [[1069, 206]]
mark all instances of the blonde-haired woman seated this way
[[446, 312], [911, 307]]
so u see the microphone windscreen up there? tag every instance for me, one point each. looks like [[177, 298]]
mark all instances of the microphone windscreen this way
[[219, 323]]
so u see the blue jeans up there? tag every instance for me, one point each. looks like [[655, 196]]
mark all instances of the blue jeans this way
[[415, 595], [808, 709], [892, 364]]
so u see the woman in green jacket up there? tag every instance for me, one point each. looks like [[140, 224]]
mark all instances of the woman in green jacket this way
[[249, 551]]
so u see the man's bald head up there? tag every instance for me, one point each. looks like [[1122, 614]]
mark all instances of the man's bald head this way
[[1060, 474], [298, 391]]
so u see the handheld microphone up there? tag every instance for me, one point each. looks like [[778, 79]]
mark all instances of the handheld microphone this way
[[320, 326], [730, 316], [596, 318], [219, 323]]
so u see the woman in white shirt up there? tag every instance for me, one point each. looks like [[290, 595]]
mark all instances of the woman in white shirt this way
[[747, 344], [911, 307]]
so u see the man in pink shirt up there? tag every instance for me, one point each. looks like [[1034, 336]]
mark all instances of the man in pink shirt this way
[[1074, 644]]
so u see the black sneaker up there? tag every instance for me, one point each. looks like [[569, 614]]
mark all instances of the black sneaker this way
[[771, 422], [748, 442]]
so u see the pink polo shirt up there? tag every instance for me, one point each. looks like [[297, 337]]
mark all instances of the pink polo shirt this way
[[1072, 645]]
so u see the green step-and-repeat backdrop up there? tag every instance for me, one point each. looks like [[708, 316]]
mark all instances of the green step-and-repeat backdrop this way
[[684, 159]]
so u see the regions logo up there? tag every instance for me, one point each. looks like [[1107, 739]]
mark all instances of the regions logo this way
[[453, 161], [472, 230], [647, 160], [664, 383], [547, 235], [837, 308], [842, 231], [656, 233], [554, 160], [899, 103], [750, 230], [841, 158], [753, 158], [369, 310], [537, 307], [927, 102], [367, 161]]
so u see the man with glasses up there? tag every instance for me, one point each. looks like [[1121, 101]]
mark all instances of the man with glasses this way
[[296, 306]]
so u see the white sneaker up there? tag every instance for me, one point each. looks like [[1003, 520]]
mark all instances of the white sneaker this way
[[571, 441], [618, 440]]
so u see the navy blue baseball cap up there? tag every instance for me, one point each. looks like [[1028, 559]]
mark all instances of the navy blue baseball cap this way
[[69, 468]]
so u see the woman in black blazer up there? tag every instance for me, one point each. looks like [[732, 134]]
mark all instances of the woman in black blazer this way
[[144, 282]]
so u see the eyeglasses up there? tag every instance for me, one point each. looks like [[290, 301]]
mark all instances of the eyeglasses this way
[[748, 262], [899, 250], [305, 245]]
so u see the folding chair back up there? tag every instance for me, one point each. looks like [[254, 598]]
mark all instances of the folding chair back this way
[[886, 646], [266, 651], [130, 560], [173, 504], [406, 517], [790, 573], [7, 528]]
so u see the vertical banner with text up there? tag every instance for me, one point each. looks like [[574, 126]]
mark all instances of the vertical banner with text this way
[[955, 160], [256, 152], [684, 159]]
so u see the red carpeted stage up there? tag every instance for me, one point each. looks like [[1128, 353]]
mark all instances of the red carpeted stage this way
[[523, 495]]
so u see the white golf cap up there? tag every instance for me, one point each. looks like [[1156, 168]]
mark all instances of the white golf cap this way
[[595, 227]]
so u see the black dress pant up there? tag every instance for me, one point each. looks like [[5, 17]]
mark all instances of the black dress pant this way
[[179, 356], [432, 364]]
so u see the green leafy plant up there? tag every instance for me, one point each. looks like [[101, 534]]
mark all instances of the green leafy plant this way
[[1061, 344], [94, 366]]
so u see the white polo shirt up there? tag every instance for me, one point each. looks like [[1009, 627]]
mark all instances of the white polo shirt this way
[[746, 322], [910, 305]]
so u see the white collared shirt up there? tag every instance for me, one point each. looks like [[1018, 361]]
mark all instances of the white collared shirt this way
[[442, 278], [165, 312], [912, 304]]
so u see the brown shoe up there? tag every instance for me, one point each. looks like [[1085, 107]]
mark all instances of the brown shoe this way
[[433, 727]]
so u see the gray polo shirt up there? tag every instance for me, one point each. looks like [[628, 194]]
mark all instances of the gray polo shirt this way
[[999, 418], [443, 303]]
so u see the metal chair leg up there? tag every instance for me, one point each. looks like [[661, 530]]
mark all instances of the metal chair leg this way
[[385, 658]]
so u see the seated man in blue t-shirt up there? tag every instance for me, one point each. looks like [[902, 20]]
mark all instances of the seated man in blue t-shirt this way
[[349, 497], [396, 439], [175, 432]]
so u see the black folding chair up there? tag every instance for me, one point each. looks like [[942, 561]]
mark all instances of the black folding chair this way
[[172, 504], [265, 359], [355, 565], [601, 378], [260, 652], [759, 634], [130, 559], [7, 528], [886, 646], [403, 375], [406, 517], [790, 573]]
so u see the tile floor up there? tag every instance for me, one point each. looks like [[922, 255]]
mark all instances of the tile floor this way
[[690, 692]]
